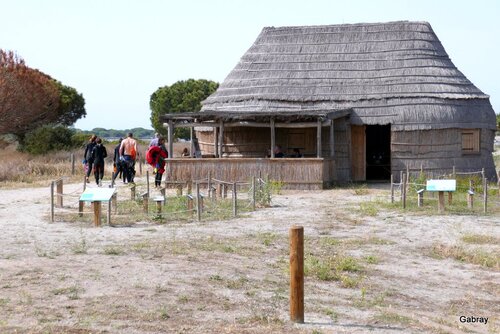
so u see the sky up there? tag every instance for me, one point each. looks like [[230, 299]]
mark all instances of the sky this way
[[118, 52]]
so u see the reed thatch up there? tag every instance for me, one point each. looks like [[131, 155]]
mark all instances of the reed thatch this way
[[394, 73]]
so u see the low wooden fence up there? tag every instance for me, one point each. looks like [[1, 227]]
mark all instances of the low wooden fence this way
[[295, 173]]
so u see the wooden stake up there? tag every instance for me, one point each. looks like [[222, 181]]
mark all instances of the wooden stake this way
[[198, 203], [147, 181], [145, 202], [72, 158], [403, 190], [97, 213], [392, 188], [80, 208], [52, 201], [441, 201], [450, 197], [235, 201], [253, 193], [297, 274], [59, 193], [485, 194], [132, 193]]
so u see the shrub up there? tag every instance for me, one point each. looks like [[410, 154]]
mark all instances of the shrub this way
[[48, 138]]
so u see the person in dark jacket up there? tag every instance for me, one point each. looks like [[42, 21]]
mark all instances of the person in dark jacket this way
[[118, 164], [98, 154], [87, 156]]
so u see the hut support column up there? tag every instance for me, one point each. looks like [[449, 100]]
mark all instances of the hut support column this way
[[318, 139], [216, 143], [273, 137], [170, 139], [191, 145], [332, 139], [221, 139]]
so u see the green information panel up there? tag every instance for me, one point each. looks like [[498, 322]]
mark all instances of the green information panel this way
[[441, 185], [97, 194]]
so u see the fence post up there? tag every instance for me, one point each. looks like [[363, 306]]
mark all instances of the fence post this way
[[253, 193], [59, 185], [190, 204], [209, 184], [485, 195], [179, 190], [108, 215], [147, 181], [80, 208], [297, 274], [198, 202], [392, 188], [401, 175], [163, 193], [420, 195], [132, 192], [470, 199], [52, 201], [235, 201], [403, 191], [440, 201], [72, 159], [145, 202], [189, 187], [454, 173]]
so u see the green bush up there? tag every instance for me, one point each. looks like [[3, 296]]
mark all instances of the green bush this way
[[49, 138]]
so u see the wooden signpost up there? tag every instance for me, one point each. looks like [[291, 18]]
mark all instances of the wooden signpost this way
[[96, 196], [441, 186]]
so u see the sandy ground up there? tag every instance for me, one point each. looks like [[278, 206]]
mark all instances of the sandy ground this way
[[231, 276]]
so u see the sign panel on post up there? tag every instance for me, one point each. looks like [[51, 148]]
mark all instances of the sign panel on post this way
[[441, 185], [97, 194]]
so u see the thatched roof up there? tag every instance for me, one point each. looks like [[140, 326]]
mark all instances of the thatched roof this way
[[396, 72]]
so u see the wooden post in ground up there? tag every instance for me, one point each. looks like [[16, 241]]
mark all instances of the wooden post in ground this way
[[190, 203], [224, 189], [470, 199], [454, 173], [72, 159], [147, 181], [84, 182], [52, 201], [450, 197], [403, 190], [189, 187], [97, 213], [163, 193], [198, 202], [140, 163], [401, 175], [420, 194], [235, 201], [132, 193], [297, 274], [108, 215], [145, 202], [498, 183], [209, 185], [485, 194], [253, 193], [179, 190], [392, 188], [114, 201], [80, 208], [59, 193], [441, 201]]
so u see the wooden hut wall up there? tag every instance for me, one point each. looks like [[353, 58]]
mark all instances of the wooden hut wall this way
[[299, 173], [206, 142], [247, 142], [342, 171], [438, 151]]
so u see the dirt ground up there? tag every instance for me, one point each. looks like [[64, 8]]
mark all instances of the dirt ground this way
[[231, 276]]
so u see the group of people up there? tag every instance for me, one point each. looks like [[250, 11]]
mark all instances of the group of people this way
[[125, 154], [278, 153]]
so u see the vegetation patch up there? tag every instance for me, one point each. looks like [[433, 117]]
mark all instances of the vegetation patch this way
[[459, 253]]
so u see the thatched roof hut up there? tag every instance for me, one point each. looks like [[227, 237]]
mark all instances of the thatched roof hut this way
[[396, 78]]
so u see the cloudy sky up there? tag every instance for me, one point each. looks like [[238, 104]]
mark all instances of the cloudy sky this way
[[118, 52]]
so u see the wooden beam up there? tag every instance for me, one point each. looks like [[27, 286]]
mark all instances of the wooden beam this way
[[294, 125], [332, 139], [318, 139], [273, 136], [221, 139], [170, 139], [216, 143]]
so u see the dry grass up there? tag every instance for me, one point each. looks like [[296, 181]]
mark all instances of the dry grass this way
[[474, 256]]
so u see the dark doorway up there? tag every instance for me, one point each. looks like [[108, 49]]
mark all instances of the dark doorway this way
[[378, 152]]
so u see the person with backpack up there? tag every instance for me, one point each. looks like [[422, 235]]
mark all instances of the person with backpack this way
[[128, 153], [156, 156], [87, 157], [98, 154], [118, 168]]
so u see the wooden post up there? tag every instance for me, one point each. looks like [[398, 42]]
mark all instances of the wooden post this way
[[392, 188], [319, 149], [209, 184], [170, 139], [224, 190], [97, 213], [84, 182], [485, 194], [147, 181], [162, 192], [470, 199], [158, 207], [189, 187], [179, 190], [114, 201], [72, 159], [132, 192], [454, 173], [420, 195], [59, 193], [273, 136], [218, 190], [52, 201], [441, 201], [297, 274], [332, 138], [221, 139], [190, 203], [108, 215], [235, 201], [253, 193], [401, 174], [145, 202], [80, 208], [198, 204], [450, 197], [216, 143], [140, 163], [498, 183], [191, 143], [403, 190]]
